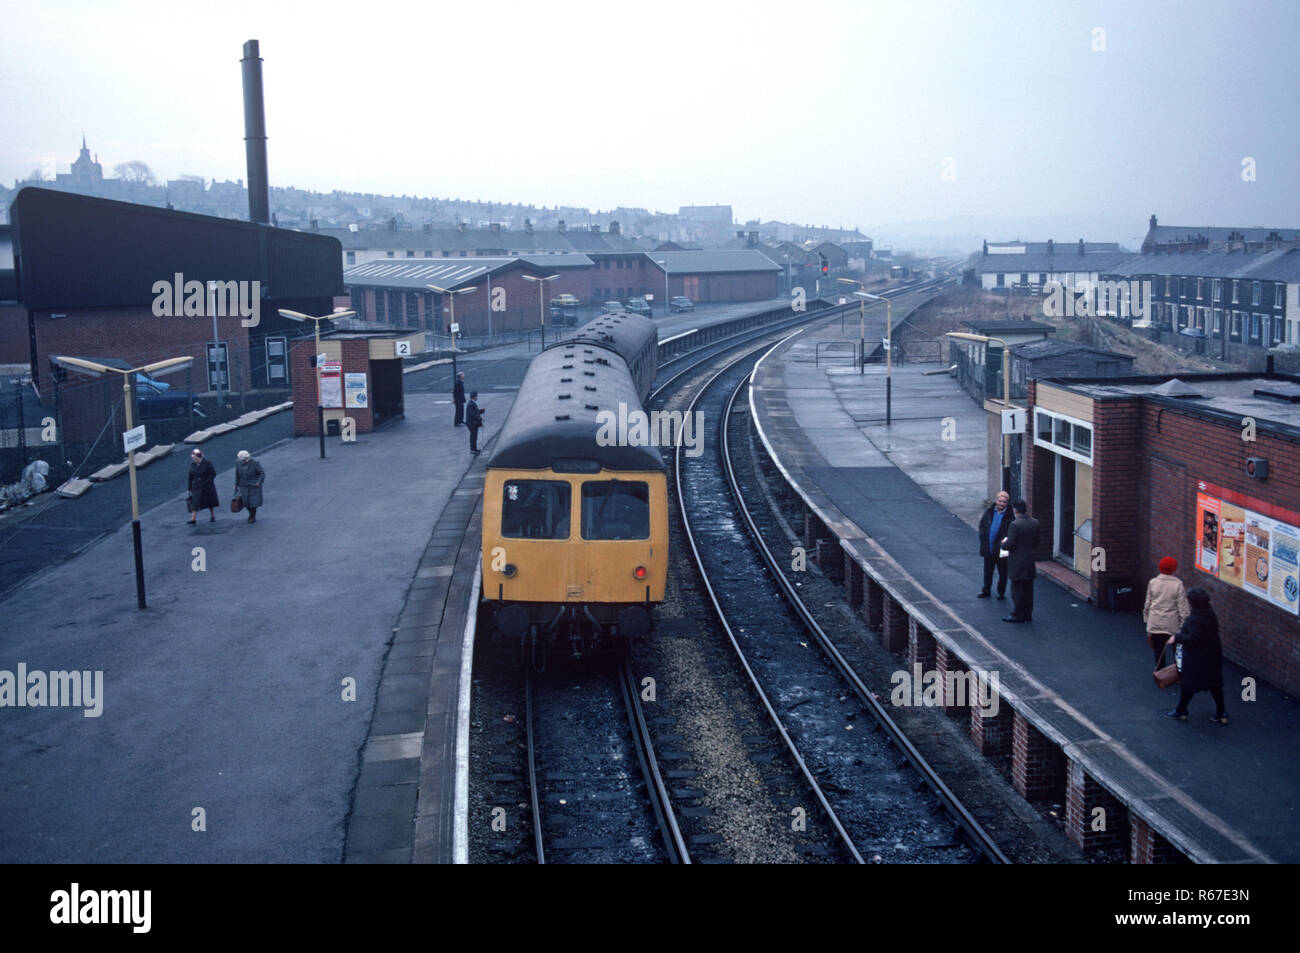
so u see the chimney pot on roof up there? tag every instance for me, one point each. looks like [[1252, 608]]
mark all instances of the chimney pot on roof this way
[[1153, 221], [1080, 246], [615, 228], [495, 227], [986, 247], [1051, 246]]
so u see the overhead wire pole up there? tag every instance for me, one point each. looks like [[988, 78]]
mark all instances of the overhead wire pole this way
[[128, 377], [320, 406], [541, 313]]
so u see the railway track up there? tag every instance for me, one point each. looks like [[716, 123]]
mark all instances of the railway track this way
[[874, 789], [596, 790]]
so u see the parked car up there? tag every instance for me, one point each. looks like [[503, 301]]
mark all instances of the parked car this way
[[564, 311], [157, 399], [610, 307], [638, 306], [681, 303]]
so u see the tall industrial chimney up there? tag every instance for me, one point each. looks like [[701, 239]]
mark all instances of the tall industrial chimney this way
[[259, 199]]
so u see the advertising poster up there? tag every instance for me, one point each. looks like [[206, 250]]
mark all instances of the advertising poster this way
[[331, 384], [1284, 580], [1232, 542], [1207, 545], [1255, 568], [1249, 543], [354, 390]]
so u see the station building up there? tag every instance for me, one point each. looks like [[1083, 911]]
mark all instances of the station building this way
[[85, 283], [1121, 472]]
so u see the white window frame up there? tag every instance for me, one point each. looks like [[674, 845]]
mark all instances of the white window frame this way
[[1056, 448]]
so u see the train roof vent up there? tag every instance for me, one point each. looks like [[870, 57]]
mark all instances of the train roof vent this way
[[565, 396], [566, 367], [589, 386], [566, 380], [589, 373], [592, 406], [561, 416]]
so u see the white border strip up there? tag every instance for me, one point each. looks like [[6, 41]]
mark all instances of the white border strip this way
[[460, 836]]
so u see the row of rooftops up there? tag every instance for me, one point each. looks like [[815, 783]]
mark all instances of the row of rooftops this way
[[416, 273]]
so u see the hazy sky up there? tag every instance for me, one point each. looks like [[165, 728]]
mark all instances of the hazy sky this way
[[826, 113]]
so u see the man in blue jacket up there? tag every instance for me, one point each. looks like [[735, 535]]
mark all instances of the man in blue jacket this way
[[993, 529]]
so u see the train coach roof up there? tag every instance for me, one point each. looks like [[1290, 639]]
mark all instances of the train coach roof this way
[[623, 332], [554, 416]]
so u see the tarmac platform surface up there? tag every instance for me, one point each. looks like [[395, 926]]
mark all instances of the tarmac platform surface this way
[[905, 503], [237, 706]]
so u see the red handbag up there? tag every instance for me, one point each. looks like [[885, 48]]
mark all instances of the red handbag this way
[[1167, 675]]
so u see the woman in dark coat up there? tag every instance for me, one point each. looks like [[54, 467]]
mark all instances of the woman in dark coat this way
[[1202, 664], [249, 477], [203, 487]]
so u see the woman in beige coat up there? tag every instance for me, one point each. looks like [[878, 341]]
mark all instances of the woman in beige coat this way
[[1166, 607]]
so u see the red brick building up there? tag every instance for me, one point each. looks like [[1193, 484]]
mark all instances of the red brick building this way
[[1122, 472]]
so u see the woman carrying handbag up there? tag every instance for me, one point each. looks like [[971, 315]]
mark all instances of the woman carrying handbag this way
[[1201, 668], [249, 477]]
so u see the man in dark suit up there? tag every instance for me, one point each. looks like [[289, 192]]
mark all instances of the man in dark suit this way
[[473, 420], [458, 395], [993, 529], [1019, 545]]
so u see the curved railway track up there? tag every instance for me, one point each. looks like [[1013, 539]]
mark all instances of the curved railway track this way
[[814, 699]]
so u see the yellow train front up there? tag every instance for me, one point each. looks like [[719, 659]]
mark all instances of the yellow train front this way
[[575, 515]]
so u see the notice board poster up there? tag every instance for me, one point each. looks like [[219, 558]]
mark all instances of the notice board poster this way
[[1250, 544], [331, 384]]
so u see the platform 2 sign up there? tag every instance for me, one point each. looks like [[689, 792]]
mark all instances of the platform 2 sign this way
[[1250, 544]]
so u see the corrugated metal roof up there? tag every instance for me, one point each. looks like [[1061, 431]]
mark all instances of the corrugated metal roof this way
[[447, 272], [715, 261]]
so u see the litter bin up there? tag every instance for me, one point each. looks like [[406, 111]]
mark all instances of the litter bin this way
[[1121, 595]]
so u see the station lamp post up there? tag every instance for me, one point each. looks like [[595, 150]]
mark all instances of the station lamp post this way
[[862, 314], [541, 297], [97, 369], [1006, 395], [451, 296], [889, 353], [667, 309], [320, 406]]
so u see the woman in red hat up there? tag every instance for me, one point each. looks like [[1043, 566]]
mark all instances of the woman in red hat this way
[[1166, 607]]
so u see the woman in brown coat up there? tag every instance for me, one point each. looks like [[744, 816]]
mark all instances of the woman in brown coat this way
[[1166, 607]]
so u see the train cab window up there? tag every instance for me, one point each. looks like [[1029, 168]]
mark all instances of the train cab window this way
[[617, 509], [535, 509]]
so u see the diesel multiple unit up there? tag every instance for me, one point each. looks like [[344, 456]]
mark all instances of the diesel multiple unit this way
[[575, 521]]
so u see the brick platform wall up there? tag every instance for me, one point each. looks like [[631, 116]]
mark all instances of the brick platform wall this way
[[921, 646], [945, 662], [874, 606], [1037, 765], [992, 735], [1083, 797], [894, 626], [1148, 847]]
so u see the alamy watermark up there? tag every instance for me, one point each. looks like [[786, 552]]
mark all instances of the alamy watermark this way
[[659, 428], [1088, 299], [935, 689], [193, 299], [76, 689]]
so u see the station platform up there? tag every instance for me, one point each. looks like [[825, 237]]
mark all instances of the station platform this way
[[270, 705], [1080, 716]]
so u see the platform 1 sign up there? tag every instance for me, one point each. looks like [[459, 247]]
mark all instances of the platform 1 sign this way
[[1013, 421], [134, 438]]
